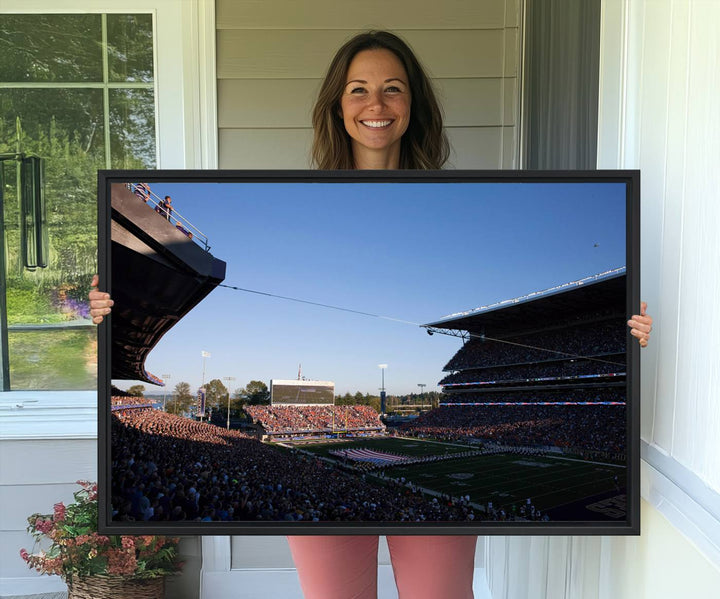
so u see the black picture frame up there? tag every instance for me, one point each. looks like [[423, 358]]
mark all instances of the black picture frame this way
[[629, 179]]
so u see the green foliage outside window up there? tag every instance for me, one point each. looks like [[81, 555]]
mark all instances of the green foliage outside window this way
[[77, 86]]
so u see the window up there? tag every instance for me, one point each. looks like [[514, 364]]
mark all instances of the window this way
[[78, 91]]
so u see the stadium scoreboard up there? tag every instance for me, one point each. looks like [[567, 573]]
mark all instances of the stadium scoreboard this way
[[302, 392]]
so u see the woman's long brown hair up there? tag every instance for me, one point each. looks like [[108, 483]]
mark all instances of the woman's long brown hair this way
[[424, 145]]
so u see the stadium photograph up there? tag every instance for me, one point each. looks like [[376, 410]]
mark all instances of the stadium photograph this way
[[295, 353]]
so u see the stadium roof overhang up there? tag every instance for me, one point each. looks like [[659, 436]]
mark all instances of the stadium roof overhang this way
[[601, 293], [158, 275]]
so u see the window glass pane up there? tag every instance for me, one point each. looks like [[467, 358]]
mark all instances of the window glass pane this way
[[54, 359], [51, 338], [51, 118], [50, 48], [132, 128], [65, 128], [130, 47]]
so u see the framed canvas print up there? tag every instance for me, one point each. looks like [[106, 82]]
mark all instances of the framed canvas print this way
[[369, 352]]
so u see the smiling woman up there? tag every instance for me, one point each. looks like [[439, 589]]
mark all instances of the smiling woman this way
[[375, 78], [375, 108], [389, 128]]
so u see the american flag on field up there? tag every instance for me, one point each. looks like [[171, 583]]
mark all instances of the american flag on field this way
[[368, 455]]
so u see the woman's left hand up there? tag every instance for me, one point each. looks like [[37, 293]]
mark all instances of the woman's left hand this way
[[641, 325]]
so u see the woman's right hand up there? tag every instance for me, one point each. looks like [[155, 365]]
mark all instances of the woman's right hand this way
[[100, 302]]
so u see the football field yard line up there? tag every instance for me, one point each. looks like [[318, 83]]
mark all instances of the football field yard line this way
[[538, 493], [432, 441], [551, 486], [501, 478], [564, 490], [585, 461]]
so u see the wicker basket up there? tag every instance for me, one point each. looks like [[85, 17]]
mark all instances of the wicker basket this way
[[116, 587]]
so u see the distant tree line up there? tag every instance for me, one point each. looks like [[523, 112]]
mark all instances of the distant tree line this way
[[257, 393], [358, 399]]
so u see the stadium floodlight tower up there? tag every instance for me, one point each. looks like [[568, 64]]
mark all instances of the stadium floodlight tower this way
[[228, 380], [422, 390], [204, 354], [166, 378], [382, 368]]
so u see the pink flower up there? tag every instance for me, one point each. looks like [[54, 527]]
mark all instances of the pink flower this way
[[128, 542], [59, 512], [44, 526], [146, 540], [53, 565], [24, 555], [121, 562]]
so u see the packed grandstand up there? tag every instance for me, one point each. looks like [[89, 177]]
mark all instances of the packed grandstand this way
[[538, 384], [171, 468]]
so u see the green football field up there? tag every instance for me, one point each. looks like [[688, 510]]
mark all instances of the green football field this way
[[506, 480]]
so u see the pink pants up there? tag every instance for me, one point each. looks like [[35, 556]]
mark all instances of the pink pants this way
[[338, 567]]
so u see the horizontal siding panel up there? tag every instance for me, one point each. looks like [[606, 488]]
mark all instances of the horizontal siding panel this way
[[306, 54], [370, 14], [276, 103], [512, 52], [258, 103], [512, 13], [19, 501], [39, 462], [475, 147], [11, 564], [253, 552], [510, 148], [510, 99], [471, 148], [265, 148], [473, 102]]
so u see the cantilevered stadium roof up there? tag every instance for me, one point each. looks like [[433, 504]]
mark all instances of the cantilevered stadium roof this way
[[158, 275], [602, 292]]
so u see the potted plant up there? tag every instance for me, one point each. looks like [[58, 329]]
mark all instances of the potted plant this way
[[67, 544]]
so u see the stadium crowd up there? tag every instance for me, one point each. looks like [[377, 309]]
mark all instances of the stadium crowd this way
[[537, 394], [551, 369], [127, 400], [169, 468], [579, 428], [307, 419], [593, 339]]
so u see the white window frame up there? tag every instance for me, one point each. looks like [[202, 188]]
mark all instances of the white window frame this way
[[186, 138], [185, 87]]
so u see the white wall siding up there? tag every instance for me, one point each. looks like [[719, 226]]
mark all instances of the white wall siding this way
[[669, 124], [271, 60], [659, 90], [55, 466], [47, 443], [331, 14]]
